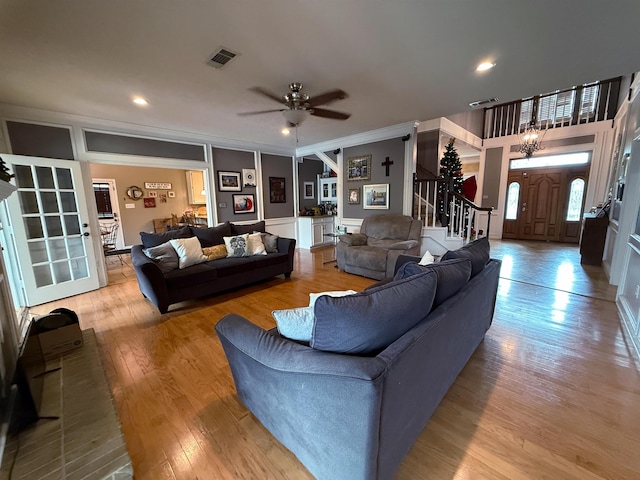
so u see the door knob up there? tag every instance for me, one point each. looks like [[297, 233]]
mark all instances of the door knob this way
[[86, 234], [85, 225]]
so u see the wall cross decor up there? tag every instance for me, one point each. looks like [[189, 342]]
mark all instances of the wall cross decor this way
[[387, 164]]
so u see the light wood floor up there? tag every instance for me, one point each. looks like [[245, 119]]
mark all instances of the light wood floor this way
[[553, 392]]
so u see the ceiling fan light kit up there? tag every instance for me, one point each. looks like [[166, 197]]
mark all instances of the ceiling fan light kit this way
[[299, 105]]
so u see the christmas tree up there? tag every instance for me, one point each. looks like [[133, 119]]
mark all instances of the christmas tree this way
[[451, 167], [4, 171], [451, 172]]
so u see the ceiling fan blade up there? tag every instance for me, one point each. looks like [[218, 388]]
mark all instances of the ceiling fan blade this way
[[246, 114], [323, 112], [267, 93], [327, 97]]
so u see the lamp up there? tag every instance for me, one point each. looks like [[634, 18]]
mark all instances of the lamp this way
[[295, 117], [530, 139]]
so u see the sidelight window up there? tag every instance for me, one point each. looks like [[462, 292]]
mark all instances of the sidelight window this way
[[513, 195], [576, 193]]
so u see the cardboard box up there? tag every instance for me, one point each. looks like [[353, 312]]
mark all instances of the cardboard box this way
[[56, 341]]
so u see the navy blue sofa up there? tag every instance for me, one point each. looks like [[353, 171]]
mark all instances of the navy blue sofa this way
[[166, 288], [355, 416]]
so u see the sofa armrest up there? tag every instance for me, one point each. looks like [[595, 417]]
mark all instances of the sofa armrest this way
[[288, 246], [287, 356], [404, 245], [354, 239], [402, 259], [150, 279]]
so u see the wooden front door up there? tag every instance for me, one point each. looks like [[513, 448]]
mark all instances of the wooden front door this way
[[543, 204]]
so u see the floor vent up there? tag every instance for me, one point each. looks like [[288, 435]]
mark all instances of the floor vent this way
[[221, 57]]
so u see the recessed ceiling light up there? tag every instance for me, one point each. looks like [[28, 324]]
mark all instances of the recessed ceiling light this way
[[485, 66], [140, 101], [285, 131]]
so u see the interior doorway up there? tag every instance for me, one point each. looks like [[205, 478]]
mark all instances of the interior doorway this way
[[545, 203]]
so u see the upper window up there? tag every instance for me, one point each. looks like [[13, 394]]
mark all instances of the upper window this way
[[560, 107], [581, 158]]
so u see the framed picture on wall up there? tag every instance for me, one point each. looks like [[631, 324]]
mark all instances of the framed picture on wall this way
[[243, 204], [308, 190], [277, 192], [359, 168], [354, 196], [229, 182], [376, 196], [249, 177]]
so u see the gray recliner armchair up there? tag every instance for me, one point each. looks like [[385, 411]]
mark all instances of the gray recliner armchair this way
[[382, 239]]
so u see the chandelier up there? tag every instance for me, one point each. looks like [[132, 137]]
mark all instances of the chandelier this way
[[531, 139]]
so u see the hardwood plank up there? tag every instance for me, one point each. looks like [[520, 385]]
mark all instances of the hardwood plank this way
[[553, 391]]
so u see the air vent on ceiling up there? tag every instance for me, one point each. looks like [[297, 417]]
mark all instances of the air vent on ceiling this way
[[221, 57], [483, 102]]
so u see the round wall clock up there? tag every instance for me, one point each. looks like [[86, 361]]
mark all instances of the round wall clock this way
[[135, 193]]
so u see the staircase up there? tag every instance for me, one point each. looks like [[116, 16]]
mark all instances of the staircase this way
[[450, 220]]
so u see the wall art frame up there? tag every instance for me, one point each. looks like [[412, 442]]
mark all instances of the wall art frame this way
[[229, 182], [376, 196], [354, 196], [309, 191], [277, 192], [244, 203], [359, 168]]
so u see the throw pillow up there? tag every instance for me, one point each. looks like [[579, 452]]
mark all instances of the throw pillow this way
[[237, 246], [367, 322], [239, 229], [477, 252], [154, 239], [270, 242], [426, 259], [338, 293], [213, 235], [452, 276], [215, 252], [189, 251], [164, 256], [255, 245], [295, 323]]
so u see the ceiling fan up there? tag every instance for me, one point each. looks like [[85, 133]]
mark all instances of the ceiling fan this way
[[299, 105]]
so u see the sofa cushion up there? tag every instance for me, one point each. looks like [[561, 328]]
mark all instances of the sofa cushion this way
[[164, 256], [197, 275], [255, 245], [215, 252], [189, 251], [270, 242], [154, 239], [476, 251], [226, 267], [295, 323], [369, 321], [238, 229], [237, 246], [262, 261], [452, 276], [212, 235]]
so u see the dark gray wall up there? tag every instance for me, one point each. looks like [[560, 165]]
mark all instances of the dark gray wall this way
[[233, 161], [308, 171], [427, 159], [277, 166], [491, 182], [112, 143], [394, 149], [471, 121]]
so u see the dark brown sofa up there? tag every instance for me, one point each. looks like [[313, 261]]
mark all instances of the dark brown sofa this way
[[166, 288]]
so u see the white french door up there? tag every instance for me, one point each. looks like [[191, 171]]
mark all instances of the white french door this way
[[49, 220]]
